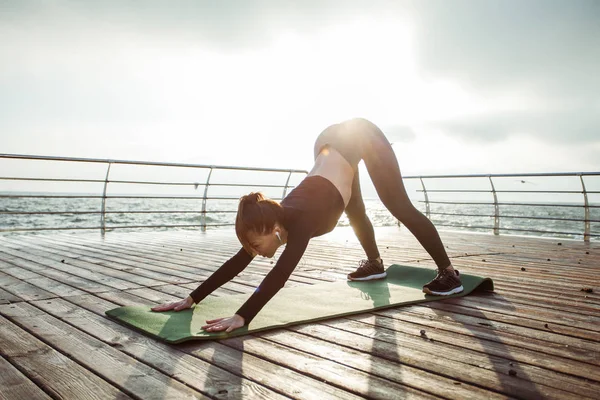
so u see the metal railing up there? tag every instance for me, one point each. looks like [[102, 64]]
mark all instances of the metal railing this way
[[586, 221], [428, 194], [104, 196]]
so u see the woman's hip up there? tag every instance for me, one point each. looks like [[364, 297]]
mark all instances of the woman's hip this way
[[352, 139]]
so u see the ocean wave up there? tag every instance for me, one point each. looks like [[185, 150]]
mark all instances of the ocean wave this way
[[513, 218]]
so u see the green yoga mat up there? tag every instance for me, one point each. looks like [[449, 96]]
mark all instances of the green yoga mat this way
[[292, 306]]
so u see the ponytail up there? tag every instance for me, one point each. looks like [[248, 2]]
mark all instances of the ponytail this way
[[256, 213]]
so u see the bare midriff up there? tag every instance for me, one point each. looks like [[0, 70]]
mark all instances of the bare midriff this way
[[331, 165]]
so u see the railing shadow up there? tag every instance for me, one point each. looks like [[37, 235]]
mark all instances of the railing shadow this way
[[221, 378], [167, 367], [220, 358]]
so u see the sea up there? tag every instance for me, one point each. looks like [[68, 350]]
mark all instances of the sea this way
[[32, 215]]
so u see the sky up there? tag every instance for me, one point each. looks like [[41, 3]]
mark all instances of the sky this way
[[458, 87]]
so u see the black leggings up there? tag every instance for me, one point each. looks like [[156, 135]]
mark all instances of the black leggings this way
[[360, 139]]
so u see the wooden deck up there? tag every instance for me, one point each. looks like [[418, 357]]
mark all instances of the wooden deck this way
[[536, 337]]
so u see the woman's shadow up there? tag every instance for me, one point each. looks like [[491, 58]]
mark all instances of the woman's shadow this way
[[512, 385], [378, 293]]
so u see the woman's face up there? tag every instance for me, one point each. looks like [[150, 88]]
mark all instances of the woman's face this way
[[264, 244]]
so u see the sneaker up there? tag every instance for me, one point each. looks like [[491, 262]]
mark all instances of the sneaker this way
[[368, 270], [444, 284]]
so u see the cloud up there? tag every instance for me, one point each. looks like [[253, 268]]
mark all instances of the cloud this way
[[563, 125], [488, 44], [549, 49], [399, 133], [550, 46], [226, 25]]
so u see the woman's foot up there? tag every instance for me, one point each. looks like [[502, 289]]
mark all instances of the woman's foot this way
[[446, 282], [368, 270]]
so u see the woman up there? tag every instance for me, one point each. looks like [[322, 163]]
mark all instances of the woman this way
[[313, 209]]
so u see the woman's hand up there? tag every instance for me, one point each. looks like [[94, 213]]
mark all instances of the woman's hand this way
[[176, 306], [224, 324]]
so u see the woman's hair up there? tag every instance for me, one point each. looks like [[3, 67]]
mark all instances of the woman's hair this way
[[256, 213]]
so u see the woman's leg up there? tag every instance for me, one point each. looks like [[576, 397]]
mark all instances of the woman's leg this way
[[372, 267], [381, 162], [360, 222]]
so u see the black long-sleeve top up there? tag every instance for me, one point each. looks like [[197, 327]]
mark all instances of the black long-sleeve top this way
[[312, 209]]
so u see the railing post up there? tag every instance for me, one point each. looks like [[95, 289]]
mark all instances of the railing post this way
[[285, 188], [586, 230], [496, 208], [427, 210], [203, 217], [103, 213]]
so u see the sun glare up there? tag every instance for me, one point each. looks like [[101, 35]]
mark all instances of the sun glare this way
[[296, 85]]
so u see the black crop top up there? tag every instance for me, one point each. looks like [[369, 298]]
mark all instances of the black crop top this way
[[311, 209]]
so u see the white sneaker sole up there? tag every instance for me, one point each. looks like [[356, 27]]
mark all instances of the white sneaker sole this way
[[370, 277], [453, 291]]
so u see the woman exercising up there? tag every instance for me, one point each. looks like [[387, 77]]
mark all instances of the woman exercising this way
[[313, 209]]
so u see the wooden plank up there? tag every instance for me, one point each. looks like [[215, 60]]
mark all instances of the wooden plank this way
[[236, 247], [129, 299], [190, 257], [513, 273], [227, 247], [167, 359], [80, 267], [55, 373], [277, 377], [23, 290], [168, 267], [538, 271], [398, 340], [144, 253], [579, 298], [529, 316], [481, 332], [97, 253], [539, 341], [161, 294], [177, 262], [574, 301], [388, 364], [154, 296], [125, 299], [182, 291], [7, 297], [186, 236], [116, 279], [246, 281], [50, 285], [112, 365], [211, 360], [16, 386], [307, 252], [25, 272], [350, 379], [230, 285], [580, 310], [390, 358]]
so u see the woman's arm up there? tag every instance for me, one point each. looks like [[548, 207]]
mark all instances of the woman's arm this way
[[224, 274], [276, 278], [274, 281]]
